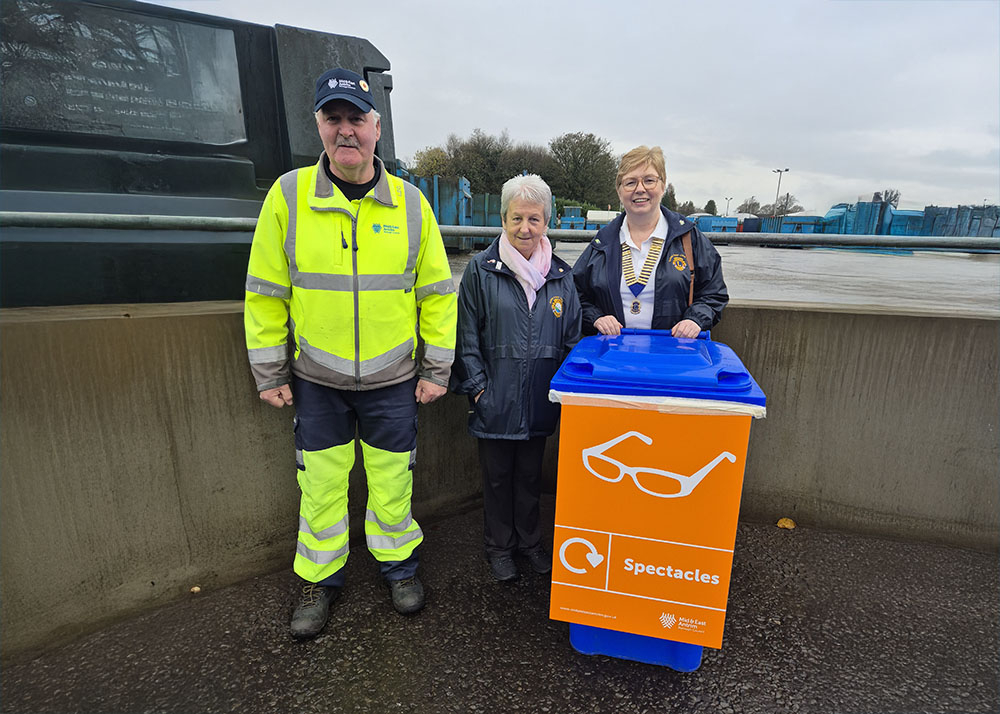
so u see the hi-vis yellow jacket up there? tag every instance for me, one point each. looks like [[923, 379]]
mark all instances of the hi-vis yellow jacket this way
[[333, 286]]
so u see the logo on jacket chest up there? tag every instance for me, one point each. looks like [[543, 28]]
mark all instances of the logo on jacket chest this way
[[678, 261], [385, 229], [556, 304]]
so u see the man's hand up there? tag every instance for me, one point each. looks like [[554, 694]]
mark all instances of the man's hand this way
[[277, 397], [427, 391], [608, 325], [686, 328]]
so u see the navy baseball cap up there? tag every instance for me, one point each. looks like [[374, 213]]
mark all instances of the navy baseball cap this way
[[344, 84]]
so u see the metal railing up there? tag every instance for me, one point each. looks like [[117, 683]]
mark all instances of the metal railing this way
[[118, 221]]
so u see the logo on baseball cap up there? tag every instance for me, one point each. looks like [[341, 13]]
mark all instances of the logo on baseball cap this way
[[344, 84]]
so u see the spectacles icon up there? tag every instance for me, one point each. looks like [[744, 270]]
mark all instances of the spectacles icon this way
[[601, 466]]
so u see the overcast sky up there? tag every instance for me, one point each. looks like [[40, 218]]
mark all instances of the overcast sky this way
[[852, 95]]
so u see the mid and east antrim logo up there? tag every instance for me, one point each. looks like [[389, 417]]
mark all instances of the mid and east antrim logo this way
[[668, 620], [385, 228], [556, 304], [654, 482], [678, 262]]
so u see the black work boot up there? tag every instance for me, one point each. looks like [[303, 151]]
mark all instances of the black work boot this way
[[407, 595], [313, 610], [503, 568], [540, 561]]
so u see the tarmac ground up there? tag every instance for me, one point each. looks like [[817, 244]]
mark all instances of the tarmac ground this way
[[818, 622]]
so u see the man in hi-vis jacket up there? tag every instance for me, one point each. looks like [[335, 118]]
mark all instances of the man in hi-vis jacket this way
[[343, 257]]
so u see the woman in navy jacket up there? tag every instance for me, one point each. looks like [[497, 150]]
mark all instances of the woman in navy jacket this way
[[635, 272], [518, 317]]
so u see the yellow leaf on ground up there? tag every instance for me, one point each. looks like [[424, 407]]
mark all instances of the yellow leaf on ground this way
[[786, 523]]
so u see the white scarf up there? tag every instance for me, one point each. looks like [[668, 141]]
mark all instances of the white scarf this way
[[531, 272]]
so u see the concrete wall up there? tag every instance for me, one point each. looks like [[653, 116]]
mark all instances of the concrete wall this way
[[876, 423], [137, 460]]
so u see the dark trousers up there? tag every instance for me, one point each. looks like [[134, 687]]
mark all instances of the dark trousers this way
[[512, 485]]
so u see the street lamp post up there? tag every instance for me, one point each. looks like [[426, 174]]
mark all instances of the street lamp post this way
[[778, 191], [728, 199]]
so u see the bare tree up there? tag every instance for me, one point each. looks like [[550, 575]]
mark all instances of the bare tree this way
[[749, 205], [786, 204], [891, 195]]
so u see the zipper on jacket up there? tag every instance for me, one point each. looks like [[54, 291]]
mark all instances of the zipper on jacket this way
[[527, 368], [357, 302]]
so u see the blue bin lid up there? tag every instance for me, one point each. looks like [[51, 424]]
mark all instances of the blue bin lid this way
[[652, 363]]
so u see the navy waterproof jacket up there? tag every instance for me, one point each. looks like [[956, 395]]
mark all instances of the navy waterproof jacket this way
[[598, 274], [509, 351]]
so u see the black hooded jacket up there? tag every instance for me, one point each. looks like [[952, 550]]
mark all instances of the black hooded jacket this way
[[509, 351]]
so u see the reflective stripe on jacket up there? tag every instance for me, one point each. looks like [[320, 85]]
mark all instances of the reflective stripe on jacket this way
[[334, 286], [598, 274], [509, 351]]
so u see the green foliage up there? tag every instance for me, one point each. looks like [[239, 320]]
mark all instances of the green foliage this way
[[533, 158], [431, 161], [486, 160], [687, 208], [669, 199], [710, 207], [577, 165], [586, 168], [478, 159]]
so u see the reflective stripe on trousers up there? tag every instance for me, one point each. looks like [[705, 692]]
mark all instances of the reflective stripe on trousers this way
[[391, 532], [322, 545]]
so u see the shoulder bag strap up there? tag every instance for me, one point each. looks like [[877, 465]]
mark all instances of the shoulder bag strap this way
[[689, 255]]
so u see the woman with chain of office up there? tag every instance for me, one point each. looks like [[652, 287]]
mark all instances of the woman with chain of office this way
[[650, 268]]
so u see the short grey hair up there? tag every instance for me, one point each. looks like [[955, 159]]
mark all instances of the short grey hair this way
[[373, 114], [530, 188]]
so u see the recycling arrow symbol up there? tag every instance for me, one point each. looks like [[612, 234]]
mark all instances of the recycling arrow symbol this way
[[593, 557]]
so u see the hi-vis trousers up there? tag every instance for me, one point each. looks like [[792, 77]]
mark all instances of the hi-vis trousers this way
[[325, 423]]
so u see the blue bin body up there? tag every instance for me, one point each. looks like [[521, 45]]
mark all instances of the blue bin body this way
[[679, 656], [652, 363]]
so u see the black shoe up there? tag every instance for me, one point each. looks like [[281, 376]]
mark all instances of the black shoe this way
[[541, 562], [503, 568], [313, 610], [407, 595]]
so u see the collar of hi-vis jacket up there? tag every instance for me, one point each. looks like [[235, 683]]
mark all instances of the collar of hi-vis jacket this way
[[325, 195]]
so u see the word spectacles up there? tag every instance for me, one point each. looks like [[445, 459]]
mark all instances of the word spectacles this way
[[648, 182]]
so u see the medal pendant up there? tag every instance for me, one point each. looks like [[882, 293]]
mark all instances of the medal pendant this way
[[635, 307]]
